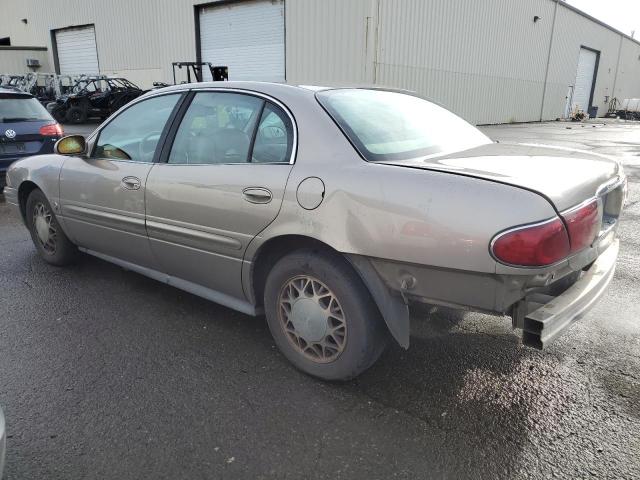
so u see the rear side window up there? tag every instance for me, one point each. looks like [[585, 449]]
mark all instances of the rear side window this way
[[274, 136], [22, 109], [396, 126], [225, 128]]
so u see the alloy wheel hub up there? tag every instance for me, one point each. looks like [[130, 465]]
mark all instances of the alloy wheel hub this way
[[309, 319], [312, 319], [44, 227]]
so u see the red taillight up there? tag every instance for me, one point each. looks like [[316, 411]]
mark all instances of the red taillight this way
[[583, 224], [52, 130], [533, 246]]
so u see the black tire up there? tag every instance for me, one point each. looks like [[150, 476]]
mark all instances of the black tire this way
[[58, 114], [59, 251], [366, 335], [77, 115]]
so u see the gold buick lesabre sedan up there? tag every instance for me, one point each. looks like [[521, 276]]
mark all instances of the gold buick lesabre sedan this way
[[329, 210]]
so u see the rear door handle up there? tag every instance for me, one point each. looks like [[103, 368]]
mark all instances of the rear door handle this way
[[257, 195], [131, 183]]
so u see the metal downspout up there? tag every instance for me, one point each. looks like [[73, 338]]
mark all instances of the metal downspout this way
[[615, 77], [546, 72]]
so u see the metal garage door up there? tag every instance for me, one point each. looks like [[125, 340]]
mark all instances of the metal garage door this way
[[248, 37], [77, 52], [585, 76]]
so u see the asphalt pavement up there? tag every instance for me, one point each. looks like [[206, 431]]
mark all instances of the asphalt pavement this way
[[105, 374]]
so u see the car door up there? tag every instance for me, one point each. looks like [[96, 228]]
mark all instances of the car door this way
[[220, 183], [102, 196]]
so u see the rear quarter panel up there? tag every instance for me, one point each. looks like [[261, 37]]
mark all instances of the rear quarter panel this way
[[425, 217], [414, 216]]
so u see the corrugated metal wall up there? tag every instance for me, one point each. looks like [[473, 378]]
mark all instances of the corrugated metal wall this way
[[573, 31], [628, 78], [330, 41], [486, 60], [136, 39]]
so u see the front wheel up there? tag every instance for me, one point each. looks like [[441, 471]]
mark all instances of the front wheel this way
[[321, 315], [49, 239]]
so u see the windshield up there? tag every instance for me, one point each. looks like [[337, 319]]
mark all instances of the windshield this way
[[396, 126], [22, 110]]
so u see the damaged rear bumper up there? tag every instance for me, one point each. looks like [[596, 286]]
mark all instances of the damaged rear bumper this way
[[543, 317]]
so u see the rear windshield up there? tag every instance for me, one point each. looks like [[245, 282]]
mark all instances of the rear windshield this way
[[387, 126], [22, 109]]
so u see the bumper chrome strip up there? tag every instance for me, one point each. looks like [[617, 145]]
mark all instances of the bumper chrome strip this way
[[547, 322]]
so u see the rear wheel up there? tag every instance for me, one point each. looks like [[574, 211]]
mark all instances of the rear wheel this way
[[59, 114], [322, 317], [49, 239], [77, 115]]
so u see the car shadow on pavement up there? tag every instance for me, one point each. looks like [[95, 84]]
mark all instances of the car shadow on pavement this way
[[486, 391], [472, 398]]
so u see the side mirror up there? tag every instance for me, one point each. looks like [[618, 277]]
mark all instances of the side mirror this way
[[71, 145]]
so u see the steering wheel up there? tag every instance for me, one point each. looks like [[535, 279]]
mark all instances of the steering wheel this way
[[147, 145]]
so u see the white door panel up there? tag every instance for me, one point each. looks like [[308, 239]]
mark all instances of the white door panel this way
[[248, 37], [584, 79], [77, 51]]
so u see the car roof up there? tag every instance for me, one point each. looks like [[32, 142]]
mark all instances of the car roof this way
[[269, 88], [240, 85], [13, 92]]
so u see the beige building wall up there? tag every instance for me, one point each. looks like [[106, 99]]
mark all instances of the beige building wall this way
[[487, 60], [14, 59]]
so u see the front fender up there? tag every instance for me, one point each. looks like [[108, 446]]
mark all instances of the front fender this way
[[41, 170]]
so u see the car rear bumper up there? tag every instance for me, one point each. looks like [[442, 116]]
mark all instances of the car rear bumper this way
[[543, 318], [532, 300]]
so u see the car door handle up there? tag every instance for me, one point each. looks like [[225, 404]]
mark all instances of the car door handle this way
[[257, 195], [131, 183]]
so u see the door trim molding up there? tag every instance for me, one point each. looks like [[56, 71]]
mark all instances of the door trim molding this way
[[182, 231], [132, 223]]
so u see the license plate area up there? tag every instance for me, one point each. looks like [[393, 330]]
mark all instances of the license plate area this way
[[612, 202], [11, 148]]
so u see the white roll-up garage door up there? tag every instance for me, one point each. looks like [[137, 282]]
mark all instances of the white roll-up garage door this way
[[248, 37], [77, 52], [585, 77]]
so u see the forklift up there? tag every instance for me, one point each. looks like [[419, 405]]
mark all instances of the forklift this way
[[219, 74], [194, 73]]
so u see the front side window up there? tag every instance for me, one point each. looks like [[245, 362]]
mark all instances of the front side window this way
[[135, 133], [387, 125], [219, 128]]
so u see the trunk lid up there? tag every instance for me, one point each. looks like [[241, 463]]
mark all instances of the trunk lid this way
[[565, 176], [20, 139]]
